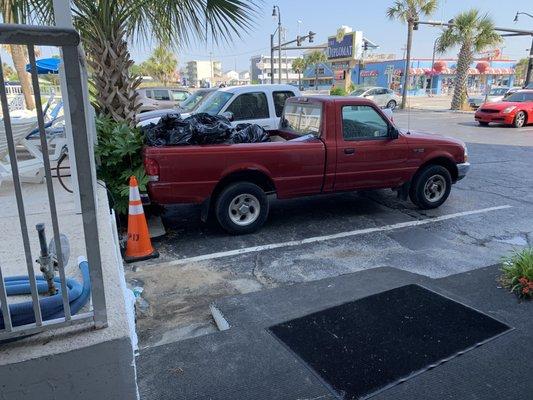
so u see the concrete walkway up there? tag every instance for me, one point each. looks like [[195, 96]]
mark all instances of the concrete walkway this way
[[246, 362]]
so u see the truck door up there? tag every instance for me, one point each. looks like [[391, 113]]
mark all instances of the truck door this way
[[251, 108], [367, 157]]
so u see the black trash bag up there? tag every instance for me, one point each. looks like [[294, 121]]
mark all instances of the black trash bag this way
[[209, 129], [249, 133], [171, 130]]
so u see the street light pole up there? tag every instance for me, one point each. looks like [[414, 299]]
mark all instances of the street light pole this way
[[272, 58], [529, 73], [277, 13], [433, 66]]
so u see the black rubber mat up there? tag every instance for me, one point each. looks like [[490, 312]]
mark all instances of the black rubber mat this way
[[363, 347]]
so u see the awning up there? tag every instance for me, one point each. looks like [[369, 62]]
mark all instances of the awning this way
[[46, 66]]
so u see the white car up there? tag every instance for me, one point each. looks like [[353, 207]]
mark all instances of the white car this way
[[496, 94], [383, 97], [256, 104]]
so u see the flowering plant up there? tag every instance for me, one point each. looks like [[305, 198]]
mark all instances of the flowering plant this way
[[518, 273]]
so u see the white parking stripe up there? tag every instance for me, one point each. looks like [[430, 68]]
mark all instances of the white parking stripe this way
[[314, 239]]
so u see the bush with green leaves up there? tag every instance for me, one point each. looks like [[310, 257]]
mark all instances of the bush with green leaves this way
[[118, 154], [518, 272], [338, 91]]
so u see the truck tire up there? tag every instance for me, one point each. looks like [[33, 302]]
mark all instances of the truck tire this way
[[241, 208], [430, 187]]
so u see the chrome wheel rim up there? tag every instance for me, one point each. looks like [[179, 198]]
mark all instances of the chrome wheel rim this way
[[391, 104], [435, 188], [520, 119], [244, 209]]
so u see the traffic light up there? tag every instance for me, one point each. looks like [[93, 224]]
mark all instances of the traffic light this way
[[415, 24], [298, 40], [311, 36], [365, 46]]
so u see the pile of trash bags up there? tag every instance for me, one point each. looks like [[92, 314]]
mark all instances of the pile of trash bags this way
[[203, 128]]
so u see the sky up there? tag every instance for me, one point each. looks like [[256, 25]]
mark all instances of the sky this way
[[325, 17]]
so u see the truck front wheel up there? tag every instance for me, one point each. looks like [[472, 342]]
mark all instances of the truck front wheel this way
[[430, 187], [241, 208]]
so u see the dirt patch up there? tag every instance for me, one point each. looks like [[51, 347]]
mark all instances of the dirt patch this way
[[178, 299]]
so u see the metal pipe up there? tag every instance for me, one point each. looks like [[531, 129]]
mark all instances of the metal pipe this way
[[272, 58]]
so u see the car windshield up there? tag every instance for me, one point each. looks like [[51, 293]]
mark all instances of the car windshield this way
[[498, 91], [214, 103], [358, 92], [302, 119], [194, 100], [520, 97]]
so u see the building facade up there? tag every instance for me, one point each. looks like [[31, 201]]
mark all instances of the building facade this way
[[202, 72], [260, 69], [424, 78]]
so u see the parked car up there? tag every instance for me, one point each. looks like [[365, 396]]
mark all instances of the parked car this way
[[157, 98], [258, 104], [324, 144], [383, 97], [495, 94], [515, 110]]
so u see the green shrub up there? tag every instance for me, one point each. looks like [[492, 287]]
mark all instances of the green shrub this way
[[119, 156], [518, 272], [337, 91]]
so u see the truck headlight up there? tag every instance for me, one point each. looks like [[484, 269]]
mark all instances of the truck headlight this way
[[508, 109]]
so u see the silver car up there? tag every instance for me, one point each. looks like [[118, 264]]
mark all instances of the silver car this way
[[496, 94], [157, 98], [383, 97]]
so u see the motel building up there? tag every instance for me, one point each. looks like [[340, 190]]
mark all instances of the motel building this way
[[423, 78], [351, 61]]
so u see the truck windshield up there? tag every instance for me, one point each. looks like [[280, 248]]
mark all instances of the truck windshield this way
[[194, 100], [214, 103], [302, 119]]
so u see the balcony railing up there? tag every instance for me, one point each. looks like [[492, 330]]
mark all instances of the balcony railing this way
[[67, 40]]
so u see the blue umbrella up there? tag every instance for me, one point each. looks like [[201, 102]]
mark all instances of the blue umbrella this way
[[46, 66]]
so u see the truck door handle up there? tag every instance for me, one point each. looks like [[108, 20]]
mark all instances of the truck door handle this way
[[350, 150]]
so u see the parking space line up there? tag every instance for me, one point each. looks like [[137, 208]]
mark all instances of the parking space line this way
[[339, 235]]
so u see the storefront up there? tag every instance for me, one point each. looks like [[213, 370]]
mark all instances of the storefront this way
[[437, 79]]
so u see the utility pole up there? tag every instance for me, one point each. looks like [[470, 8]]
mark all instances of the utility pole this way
[[211, 66], [277, 13], [529, 73], [272, 58]]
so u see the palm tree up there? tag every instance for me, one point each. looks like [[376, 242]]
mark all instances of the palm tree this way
[[473, 32], [315, 58], [108, 27], [299, 65], [16, 12], [161, 65], [409, 11]]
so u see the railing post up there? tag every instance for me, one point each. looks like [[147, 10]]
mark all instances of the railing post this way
[[82, 154]]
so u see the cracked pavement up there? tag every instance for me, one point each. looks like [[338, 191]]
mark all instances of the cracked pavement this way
[[179, 295]]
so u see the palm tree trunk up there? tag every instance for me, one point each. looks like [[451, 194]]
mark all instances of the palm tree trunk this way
[[20, 60], [114, 85], [407, 63], [461, 76], [299, 81]]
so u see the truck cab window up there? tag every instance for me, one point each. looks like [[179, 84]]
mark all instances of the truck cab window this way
[[363, 122], [279, 100], [249, 106], [302, 118]]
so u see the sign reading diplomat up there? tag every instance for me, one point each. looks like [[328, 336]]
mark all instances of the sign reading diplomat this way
[[341, 47]]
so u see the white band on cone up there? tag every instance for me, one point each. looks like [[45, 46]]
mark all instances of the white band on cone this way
[[134, 193], [136, 209]]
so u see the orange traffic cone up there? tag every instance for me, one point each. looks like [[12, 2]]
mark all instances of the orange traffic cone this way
[[139, 246]]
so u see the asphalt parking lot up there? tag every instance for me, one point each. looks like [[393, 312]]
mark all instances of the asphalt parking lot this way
[[488, 214]]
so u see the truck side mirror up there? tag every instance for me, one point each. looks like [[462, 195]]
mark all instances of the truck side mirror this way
[[393, 132], [229, 115]]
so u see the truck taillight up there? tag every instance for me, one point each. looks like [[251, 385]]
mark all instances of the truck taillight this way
[[151, 168]]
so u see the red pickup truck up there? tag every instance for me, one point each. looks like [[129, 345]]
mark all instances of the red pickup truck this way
[[323, 145]]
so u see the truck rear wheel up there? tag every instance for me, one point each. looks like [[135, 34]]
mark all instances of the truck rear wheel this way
[[241, 208], [430, 187]]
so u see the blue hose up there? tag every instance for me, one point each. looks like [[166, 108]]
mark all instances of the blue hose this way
[[51, 307]]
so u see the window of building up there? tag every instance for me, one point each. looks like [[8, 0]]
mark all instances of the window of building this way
[[249, 106], [279, 100], [363, 122]]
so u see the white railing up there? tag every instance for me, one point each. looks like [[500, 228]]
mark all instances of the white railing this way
[[72, 59]]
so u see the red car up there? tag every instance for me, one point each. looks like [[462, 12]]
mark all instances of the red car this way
[[515, 110]]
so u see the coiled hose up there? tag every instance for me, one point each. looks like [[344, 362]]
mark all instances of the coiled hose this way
[[51, 307]]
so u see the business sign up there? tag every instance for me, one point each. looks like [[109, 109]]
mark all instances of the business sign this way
[[368, 72], [344, 46]]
